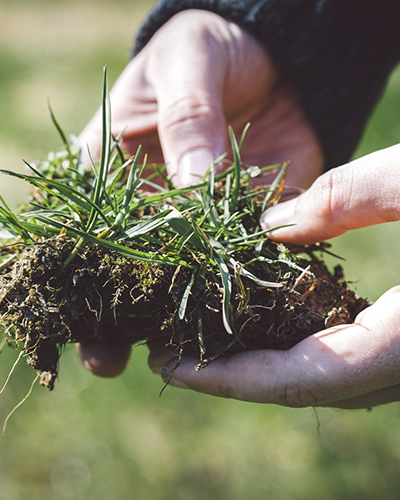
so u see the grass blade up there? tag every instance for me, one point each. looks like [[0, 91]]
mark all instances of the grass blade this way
[[276, 187], [236, 171], [132, 184], [180, 225], [101, 175], [61, 133], [185, 297], [246, 128], [12, 222], [66, 194], [247, 274], [122, 249], [227, 291]]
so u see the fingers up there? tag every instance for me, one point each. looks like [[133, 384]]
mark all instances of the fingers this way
[[362, 193], [105, 358], [187, 67], [340, 364], [197, 74], [172, 92]]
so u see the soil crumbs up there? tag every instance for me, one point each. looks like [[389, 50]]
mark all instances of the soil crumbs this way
[[103, 295]]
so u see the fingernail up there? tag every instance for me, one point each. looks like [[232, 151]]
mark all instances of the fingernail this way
[[279, 215], [193, 166]]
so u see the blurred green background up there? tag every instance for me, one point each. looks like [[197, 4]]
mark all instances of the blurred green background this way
[[116, 439]]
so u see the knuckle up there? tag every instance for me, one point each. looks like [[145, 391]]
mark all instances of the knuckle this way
[[332, 195], [227, 387], [185, 112]]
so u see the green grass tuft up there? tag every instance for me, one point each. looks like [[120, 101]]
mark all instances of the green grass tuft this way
[[110, 206]]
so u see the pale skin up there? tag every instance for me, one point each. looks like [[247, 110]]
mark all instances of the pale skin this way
[[198, 74]]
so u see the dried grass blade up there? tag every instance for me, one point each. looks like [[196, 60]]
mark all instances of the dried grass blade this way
[[276, 187], [247, 274]]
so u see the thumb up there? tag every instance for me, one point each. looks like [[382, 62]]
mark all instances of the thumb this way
[[187, 75], [362, 193]]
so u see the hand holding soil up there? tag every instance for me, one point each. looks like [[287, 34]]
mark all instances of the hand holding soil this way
[[198, 73], [239, 293], [347, 366]]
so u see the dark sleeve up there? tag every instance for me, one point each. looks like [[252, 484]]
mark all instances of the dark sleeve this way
[[338, 53]]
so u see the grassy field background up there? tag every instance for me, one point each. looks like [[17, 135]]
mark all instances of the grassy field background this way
[[116, 439]]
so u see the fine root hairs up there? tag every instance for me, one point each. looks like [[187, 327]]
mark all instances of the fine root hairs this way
[[16, 407], [11, 372]]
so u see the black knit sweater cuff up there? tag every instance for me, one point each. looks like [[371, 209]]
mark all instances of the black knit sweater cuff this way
[[338, 53]]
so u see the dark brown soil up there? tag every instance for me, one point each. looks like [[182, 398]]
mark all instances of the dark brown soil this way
[[102, 295]]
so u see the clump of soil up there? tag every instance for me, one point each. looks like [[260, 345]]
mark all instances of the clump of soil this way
[[93, 256], [103, 295]]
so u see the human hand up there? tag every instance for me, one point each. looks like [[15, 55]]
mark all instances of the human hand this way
[[347, 366], [198, 74]]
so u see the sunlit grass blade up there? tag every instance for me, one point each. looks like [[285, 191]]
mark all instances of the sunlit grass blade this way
[[246, 128], [267, 284], [147, 226], [276, 187], [116, 176], [115, 146], [227, 291], [122, 249], [153, 186], [35, 229], [159, 171], [180, 225], [69, 196], [208, 199], [227, 211], [61, 133], [248, 238], [185, 297], [236, 172], [132, 184], [174, 193], [101, 174], [11, 222]]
